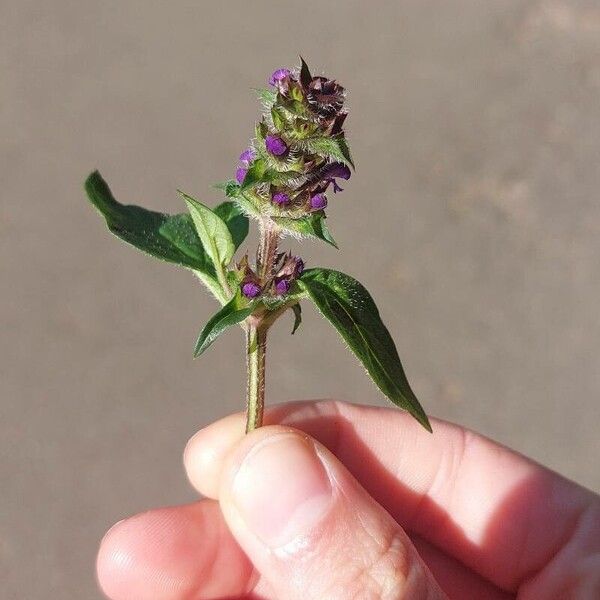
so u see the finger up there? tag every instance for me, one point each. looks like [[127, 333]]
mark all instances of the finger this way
[[499, 513], [457, 581], [173, 554], [310, 529], [204, 456]]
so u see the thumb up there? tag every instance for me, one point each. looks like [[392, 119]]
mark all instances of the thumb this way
[[310, 529]]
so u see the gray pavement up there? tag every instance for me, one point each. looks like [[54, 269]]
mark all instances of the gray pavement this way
[[473, 218]]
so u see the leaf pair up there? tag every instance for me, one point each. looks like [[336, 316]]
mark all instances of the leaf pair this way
[[202, 242], [207, 240], [349, 307]]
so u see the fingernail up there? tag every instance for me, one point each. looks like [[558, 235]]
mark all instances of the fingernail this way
[[281, 489]]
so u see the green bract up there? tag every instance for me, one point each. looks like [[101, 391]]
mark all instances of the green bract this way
[[299, 152]]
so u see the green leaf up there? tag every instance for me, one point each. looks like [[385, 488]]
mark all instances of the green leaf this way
[[212, 230], [169, 238], [235, 311], [261, 131], [312, 225], [266, 96], [249, 205], [237, 222], [348, 306], [278, 119], [230, 187], [255, 173], [335, 148], [297, 317]]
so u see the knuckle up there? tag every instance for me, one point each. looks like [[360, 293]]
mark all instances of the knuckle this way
[[382, 573]]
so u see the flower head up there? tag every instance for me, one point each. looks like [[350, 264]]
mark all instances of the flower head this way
[[291, 155]]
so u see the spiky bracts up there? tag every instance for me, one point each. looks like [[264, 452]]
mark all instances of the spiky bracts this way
[[299, 149], [298, 155]]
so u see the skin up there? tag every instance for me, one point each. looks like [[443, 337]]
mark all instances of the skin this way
[[336, 501]]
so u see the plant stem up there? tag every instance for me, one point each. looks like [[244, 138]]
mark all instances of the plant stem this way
[[256, 328], [256, 348], [267, 249]]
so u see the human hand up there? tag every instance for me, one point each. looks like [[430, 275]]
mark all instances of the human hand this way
[[316, 506]]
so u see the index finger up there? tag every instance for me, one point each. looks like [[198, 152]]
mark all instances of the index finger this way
[[498, 512]]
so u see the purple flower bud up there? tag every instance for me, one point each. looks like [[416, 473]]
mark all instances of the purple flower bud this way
[[280, 198], [240, 174], [250, 289], [275, 145], [278, 75], [318, 201], [299, 266], [282, 287], [248, 155]]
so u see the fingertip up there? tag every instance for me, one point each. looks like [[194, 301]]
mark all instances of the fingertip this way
[[139, 556], [205, 453], [171, 554]]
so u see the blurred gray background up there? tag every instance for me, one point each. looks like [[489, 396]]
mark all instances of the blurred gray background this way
[[473, 218]]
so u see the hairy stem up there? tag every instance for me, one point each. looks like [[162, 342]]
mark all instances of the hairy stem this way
[[256, 348], [267, 249], [256, 328]]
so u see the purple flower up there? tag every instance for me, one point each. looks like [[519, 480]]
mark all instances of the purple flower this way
[[328, 174], [248, 155], [240, 174], [282, 287], [278, 75], [250, 289], [275, 145], [280, 198], [318, 201]]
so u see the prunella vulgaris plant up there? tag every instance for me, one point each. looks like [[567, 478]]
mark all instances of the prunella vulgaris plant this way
[[283, 181]]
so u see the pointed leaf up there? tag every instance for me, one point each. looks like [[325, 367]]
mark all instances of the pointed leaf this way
[[235, 311], [297, 317], [212, 230], [305, 76], [169, 238], [348, 306], [278, 119], [312, 225], [236, 221], [335, 148], [255, 173], [266, 96]]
